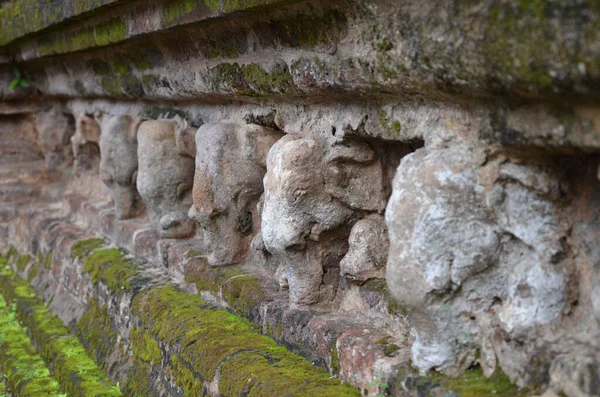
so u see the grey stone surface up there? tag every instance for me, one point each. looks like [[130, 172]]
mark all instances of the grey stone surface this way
[[367, 251], [476, 250], [55, 128], [313, 191], [85, 143], [165, 176], [119, 162], [230, 165]]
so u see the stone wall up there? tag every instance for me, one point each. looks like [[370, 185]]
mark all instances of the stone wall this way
[[403, 193]]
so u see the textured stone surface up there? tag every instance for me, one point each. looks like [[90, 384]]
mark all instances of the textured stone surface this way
[[55, 129], [165, 176], [119, 162], [230, 165], [477, 251], [472, 128], [317, 189]]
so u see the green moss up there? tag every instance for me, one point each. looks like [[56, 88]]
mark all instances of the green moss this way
[[110, 266], [522, 50], [184, 378], [391, 349], [110, 32], [474, 384], [380, 287], [335, 360], [176, 9], [275, 372], [120, 65], [35, 269], [22, 366], [22, 17], [235, 5], [277, 80], [48, 260], [112, 86], [97, 331], [11, 253], [22, 262], [391, 128], [77, 374], [251, 79], [210, 337], [243, 293], [82, 248], [145, 347]]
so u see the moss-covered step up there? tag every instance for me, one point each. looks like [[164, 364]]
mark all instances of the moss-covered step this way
[[201, 339], [24, 369], [214, 341], [76, 372]]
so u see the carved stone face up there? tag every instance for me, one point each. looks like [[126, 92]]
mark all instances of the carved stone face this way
[[479, 239], [165, 177], [312, 190], [119, 162], [85, 144], [55, 129], [230, 165]]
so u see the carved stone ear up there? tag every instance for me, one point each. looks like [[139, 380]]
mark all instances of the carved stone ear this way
[[133, 130], [182, 189], [258, 141], [185, 140]]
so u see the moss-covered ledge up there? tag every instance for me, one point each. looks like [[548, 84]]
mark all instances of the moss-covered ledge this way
[[21, 17], [179, 334], [22, 367], [76, 372], [216, 346]]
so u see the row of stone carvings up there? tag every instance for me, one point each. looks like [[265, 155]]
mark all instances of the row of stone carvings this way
[[318, 193], [483, 245]]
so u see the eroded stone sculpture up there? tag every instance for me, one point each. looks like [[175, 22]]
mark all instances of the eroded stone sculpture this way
[[314, 191], [367, 251], [476, 256], [165, 175], [85, 144], [230, 165], [55, 128], [119, 162]]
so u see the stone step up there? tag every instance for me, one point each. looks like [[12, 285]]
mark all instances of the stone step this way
[[23, 368], [73, 369]]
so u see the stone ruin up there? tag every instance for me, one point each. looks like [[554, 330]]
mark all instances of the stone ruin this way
[[403, 194]]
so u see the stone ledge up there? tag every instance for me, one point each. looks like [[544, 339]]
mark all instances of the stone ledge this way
[[22, 17], [105, 330], [531, 49], [22, 367], [77, 374]]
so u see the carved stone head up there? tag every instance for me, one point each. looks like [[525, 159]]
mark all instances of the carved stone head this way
[[165, 175], [85, 144], [313, 191], [119, 162], [230, 165], [55, 128]]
